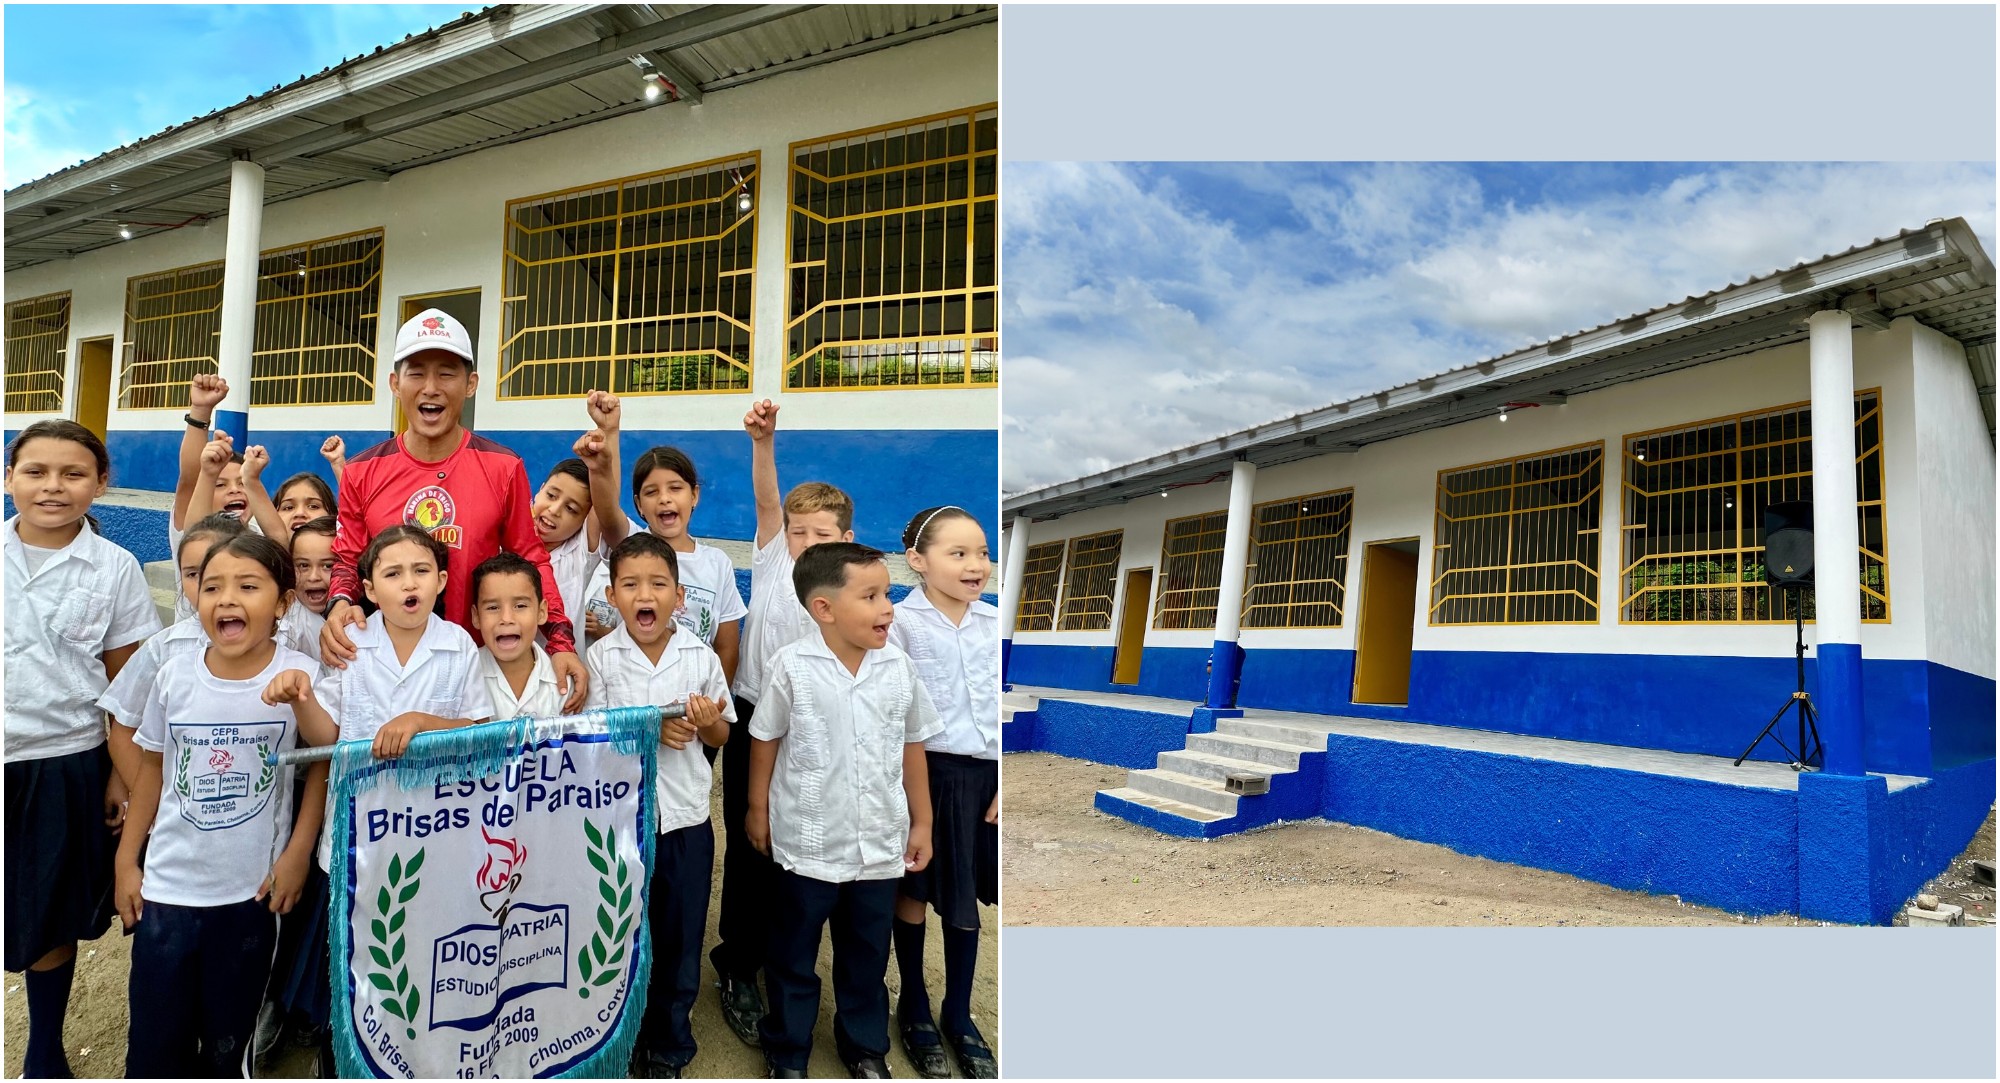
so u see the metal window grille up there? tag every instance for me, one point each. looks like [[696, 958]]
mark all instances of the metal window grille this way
[[37, 352], [317, 309], [1041, 578], [1298, 562], [1191, 571], [1517, 540], [173, 320], [1695, 497], [638, 286], [893, 279], [1091, 580]]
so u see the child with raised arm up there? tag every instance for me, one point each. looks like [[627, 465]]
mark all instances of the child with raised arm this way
[[649, 659], [812, 513], [839, 799], [77, 609], [953, 637], [214, 821], [569, 531]]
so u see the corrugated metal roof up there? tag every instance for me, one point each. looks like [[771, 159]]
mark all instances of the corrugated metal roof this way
[[1938, 274], [501, 74]]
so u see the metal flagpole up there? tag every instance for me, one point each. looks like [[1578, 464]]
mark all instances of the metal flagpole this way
[[317, 753]]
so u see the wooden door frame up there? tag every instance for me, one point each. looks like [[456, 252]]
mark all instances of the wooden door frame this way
[[1361, 614], [110, 379]]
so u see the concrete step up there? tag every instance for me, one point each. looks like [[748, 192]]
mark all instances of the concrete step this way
[[1215, 768], [1187, 789], [1019, 701], [165, 581], [1275, 732], [1278, 754], [1166, 805]]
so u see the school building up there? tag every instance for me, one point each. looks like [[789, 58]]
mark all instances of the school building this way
[[584, 187], [1519, 608]]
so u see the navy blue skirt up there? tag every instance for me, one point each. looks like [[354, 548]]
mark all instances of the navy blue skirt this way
[[59, 854], [965, 849]]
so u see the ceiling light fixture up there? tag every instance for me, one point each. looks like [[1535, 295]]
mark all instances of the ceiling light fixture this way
[[125, 232], [652, 87], [743, 201]]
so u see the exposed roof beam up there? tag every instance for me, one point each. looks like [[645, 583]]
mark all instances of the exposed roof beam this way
[[1952, 298], [690, 28], [340, 168], [959, 22], [393, 67]]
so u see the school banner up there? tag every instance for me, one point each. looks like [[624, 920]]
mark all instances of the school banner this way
[[489, 899]]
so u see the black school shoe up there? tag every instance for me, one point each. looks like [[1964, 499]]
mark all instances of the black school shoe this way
[[742, 1009], [926, 1050], [647, 1066], [973, 1055], [772, 1071], [868, 1068]]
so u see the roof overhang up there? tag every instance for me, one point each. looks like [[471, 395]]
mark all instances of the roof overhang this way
[[1938, 275], [504, 74]]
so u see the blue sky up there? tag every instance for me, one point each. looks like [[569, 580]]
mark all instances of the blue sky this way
[[1151, 305], [83, 79]]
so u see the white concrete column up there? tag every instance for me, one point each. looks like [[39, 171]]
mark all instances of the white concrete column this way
[[1225, 664], [1836, 542], [1010, 588], [239, 297]]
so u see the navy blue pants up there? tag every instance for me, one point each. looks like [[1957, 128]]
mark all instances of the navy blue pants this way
[[743, 928], [197, 980], [861, 912], [683, 870]]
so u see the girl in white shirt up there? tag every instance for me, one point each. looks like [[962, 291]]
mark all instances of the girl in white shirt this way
[[221, 860], [77, 609], [953, 638], [312, 564]]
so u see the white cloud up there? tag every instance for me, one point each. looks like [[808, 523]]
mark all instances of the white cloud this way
[[42, 136], [1139, 318]]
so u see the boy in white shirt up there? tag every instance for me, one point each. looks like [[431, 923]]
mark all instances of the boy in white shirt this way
[[812, 513], [649, 659], [508, 609], [840, 800]]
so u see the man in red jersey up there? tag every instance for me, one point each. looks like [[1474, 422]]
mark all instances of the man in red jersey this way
[[467, 491]]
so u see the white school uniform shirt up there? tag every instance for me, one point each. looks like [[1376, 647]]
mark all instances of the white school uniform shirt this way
[[539, 698], [441, 678], [125, 700], [574, 563], [960, 667], [182, 607], [777, 620], [706, 574], [86, 598], [837, 808], [224, 815], [299, 630], [622, 676]]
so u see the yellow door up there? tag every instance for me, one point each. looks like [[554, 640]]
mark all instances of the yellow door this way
[[93, 384], [1132, 627], [1388, 616]]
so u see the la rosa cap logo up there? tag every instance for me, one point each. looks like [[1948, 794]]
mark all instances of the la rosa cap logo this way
[[431, 510]]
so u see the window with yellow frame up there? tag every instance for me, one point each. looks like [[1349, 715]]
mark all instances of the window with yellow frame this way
[[1517, 540], [1041, 579], [1695, 497], [892, 277], [37, 352], [1191, 571], [314, 335], [1298, 562], [1091, 579], [639, 286]]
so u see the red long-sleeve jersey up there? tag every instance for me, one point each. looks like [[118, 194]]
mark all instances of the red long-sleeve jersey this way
[[476, 502]]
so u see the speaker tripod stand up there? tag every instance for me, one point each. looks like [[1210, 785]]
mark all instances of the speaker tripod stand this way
[[1809, 757]]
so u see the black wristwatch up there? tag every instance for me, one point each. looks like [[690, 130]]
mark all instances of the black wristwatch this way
[[192, 423]]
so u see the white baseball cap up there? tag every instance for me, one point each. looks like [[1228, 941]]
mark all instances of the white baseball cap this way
[[432, 329]]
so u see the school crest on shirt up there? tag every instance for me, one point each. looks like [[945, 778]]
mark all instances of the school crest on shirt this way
[[222, 773], [430, 509]]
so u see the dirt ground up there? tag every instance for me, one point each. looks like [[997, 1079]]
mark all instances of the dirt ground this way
[[1065, 863], [94, 1037], [1959, 886]]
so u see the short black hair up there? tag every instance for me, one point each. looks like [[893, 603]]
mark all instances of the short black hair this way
[[573, 468], [325, 524], [644, 544], [505, 563], [217, 527], [663, 458], [824, 566], [265, 552]]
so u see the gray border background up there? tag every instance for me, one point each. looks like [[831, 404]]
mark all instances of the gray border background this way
[[1455, 83]]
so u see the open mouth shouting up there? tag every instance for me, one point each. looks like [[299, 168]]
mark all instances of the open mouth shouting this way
[[668, 520], [431, 411], [230, 629], [235, 509], [646, 618], [412, 603], [314, 597], [507, 640], [881, 633]]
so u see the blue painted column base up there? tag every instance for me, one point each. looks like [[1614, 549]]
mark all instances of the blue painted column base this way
[[1838, 817], [1838, 704], [1225, 668], [234, 422], [1203, 719], [1006, 655]]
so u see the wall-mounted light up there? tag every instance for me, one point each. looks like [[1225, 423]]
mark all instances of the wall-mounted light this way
[[652, 87], [743, 201], [125, 232], [1503, 413]]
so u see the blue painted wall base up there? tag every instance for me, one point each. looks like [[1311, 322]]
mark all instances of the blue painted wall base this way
[[1110, 735], [1838, 816], [1203, 720], [1225, 669]]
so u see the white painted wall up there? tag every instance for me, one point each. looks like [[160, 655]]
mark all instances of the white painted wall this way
[[1395, 487], [444, 229], [1954, 460]]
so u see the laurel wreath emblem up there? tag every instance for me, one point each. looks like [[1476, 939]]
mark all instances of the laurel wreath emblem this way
[[181, 770], [264, 760], [614, 914], [387, 951]]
